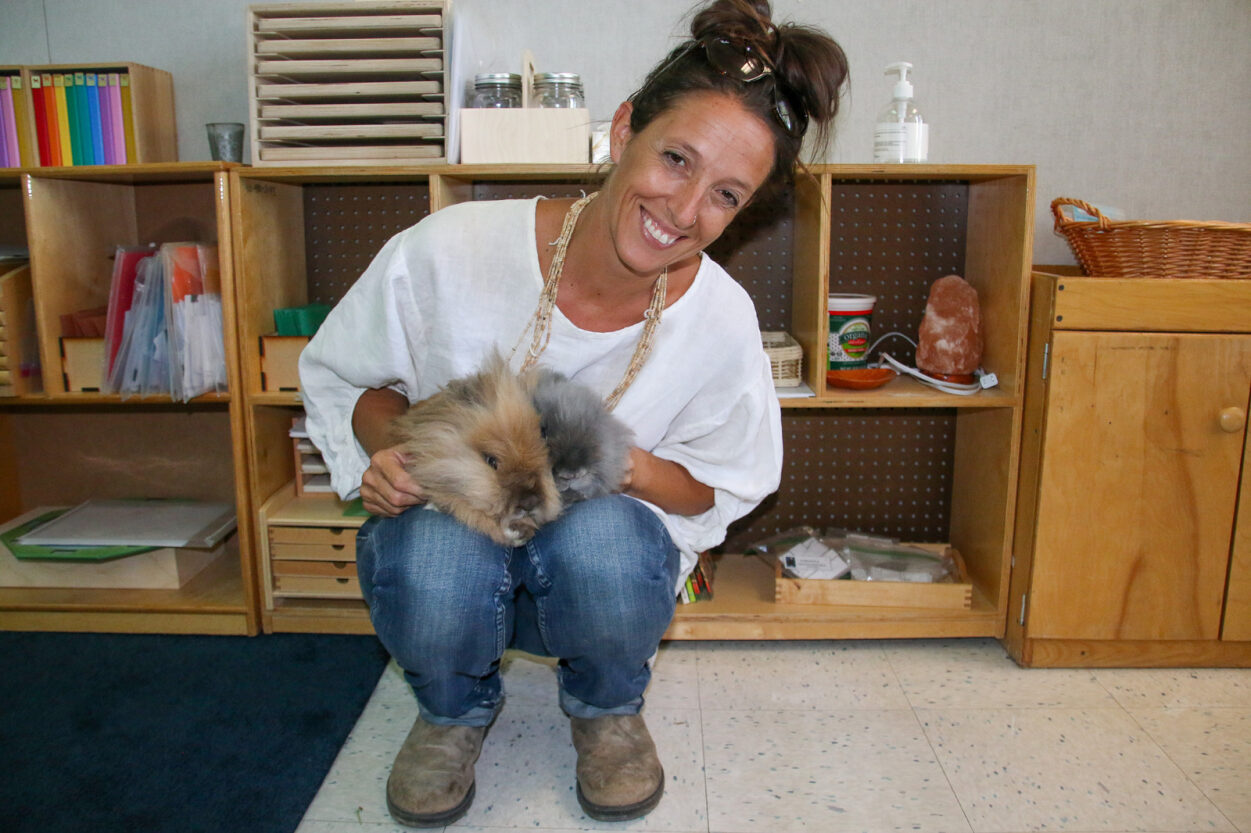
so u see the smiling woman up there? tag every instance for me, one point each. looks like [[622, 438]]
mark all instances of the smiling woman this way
[[678, 183], [614, 292]]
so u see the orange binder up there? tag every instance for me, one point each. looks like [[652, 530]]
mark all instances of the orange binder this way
[[63, 119], [50, 118]]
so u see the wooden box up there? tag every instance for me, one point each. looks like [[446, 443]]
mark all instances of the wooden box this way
[[280, 360], [358, 83], [955, 595], [82, 363], [313, 562], [525, 135], [308, 547]]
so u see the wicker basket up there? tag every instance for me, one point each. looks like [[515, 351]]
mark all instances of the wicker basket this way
[[785, 357], [1148, 249]]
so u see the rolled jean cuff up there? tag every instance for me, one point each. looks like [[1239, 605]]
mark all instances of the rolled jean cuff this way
[[574, 707], [477, 716]]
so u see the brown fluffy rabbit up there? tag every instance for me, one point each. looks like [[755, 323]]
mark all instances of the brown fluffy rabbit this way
[[477, 450]]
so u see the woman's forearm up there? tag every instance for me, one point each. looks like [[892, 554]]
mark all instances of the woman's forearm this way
[[372, 416], [667, 485]]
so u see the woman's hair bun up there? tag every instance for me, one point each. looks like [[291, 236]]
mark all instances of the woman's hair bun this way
[[811, 65], [748, 21]]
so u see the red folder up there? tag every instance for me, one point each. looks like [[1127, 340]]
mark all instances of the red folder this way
[[41, 119], [121, 293]]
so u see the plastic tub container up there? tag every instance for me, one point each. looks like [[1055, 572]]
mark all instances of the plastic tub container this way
[[851, 318]]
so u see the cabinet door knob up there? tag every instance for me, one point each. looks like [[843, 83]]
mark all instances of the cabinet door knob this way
[[1233, 419]]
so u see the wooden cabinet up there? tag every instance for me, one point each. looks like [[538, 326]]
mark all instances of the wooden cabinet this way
[[61, 447], [903, 460], [1131, 546]]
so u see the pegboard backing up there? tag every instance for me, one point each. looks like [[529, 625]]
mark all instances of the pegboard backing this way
[[345, 224], [893, 240], [882, 471], [759, 252]]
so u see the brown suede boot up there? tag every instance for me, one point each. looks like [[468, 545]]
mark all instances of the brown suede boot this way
[[431, 783], [619, 775]]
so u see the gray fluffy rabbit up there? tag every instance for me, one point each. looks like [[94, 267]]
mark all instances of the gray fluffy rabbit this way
[[588, 447]]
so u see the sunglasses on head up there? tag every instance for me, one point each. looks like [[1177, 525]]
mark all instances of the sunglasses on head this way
[[743, 62]]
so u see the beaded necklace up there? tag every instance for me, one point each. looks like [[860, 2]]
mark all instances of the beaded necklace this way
[[541, 321]]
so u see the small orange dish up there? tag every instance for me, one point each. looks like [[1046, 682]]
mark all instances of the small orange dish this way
[[861, 378]]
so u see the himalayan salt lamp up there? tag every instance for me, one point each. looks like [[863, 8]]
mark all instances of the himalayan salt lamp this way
[[949, 344]]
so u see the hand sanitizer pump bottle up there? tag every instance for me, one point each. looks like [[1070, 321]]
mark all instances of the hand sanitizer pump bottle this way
[[901, 135]]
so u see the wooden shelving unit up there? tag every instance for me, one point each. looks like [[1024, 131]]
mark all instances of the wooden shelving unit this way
[[902, 460], [61, 448]]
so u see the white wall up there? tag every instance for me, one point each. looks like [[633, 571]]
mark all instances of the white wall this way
[[1139, 104]]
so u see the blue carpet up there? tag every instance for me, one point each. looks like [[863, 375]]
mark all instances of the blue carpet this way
[[135, 733]]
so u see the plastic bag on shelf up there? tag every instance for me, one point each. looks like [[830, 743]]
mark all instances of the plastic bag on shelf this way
[[804, 553], [193, 312], [126, 260], [884, 559], [140, 363]]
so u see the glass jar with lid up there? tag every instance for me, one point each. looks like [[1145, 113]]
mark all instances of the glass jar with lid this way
[[558, 89], [496, 89]]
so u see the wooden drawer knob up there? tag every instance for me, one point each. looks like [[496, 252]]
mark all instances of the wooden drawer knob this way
[[1233, 419]]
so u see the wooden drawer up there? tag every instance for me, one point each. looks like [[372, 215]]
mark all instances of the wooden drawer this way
[[315, 579], [317, 569], [312, 543], [316, 587]]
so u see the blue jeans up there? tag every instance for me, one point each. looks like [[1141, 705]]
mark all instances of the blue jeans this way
[[594, 588]]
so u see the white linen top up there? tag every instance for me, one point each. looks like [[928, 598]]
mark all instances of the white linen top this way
[[441, 294]]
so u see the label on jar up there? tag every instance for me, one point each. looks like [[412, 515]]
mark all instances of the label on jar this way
[[849, 340]]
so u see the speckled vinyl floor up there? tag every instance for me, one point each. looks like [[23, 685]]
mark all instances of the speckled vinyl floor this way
[[924, 735]]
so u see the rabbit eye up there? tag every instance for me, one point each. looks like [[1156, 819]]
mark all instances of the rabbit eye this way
[[491, 461]]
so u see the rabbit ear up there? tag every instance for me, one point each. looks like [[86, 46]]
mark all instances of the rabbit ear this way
[[494, 363], [481, 388]]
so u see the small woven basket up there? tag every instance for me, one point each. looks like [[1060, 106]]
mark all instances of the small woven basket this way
[[785, 357], [1149, 249]]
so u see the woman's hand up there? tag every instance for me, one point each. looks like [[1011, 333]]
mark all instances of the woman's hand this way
[[387, 488], [627, 479]]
